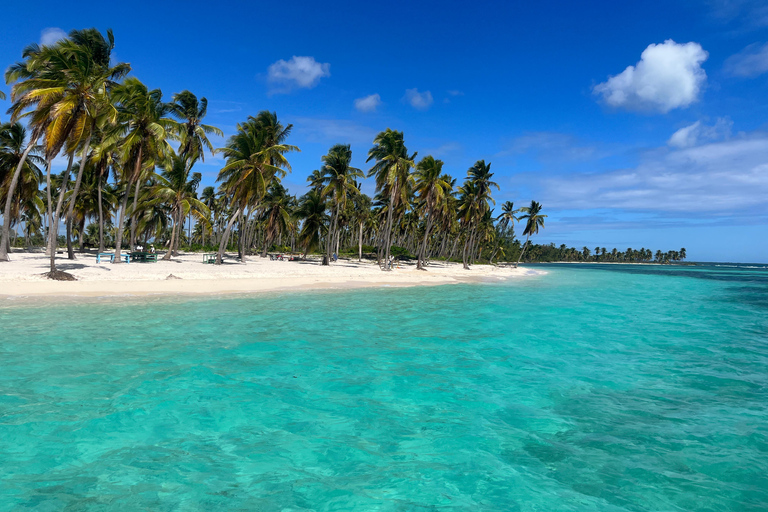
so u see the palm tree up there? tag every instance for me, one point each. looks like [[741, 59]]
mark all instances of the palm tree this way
[[68, 85], [340, 180], [392, 171], [176, 188], [277, 214], [15, 153], [144, 133], [431, 186], [362, 214], [311, 210], [534, 220], [194, 134], [255, 158]]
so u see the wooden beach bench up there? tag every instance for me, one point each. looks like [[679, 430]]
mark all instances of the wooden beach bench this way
[[209, 257]]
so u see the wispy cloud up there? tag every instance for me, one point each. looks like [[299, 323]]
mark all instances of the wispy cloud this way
[[699, 132], [50, 35], [285, 76], [668, 76], [368, 103], [719, 178], [550, 146], [418, 100], [750, 62]]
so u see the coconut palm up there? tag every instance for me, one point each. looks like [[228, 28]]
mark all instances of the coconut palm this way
[[176, 186], [277, 214], [312, 211], [340, 182], [392, 172], [145, 130], [431, 186], [15, 188], [194, 134], [67, 84], [534, 220], [255, 157]]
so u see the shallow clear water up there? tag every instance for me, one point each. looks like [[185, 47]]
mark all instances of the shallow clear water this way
[[616, 388]]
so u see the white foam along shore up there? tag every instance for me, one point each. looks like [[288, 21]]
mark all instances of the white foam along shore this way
[[23, 275]]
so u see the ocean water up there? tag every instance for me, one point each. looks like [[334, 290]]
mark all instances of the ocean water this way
[[591, 388]]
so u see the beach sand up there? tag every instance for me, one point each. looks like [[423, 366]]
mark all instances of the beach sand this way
[[22, 276]]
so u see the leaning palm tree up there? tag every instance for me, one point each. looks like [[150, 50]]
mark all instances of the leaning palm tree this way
[[145, 130], [392, 171], [255, 157], [431, 186], [176, 187], [67, 86], [16, 186], [312, 212], [534, 220], [194, 134], [340, 180]]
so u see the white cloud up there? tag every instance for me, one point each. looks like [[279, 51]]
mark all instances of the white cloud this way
[[668, 76], [697, 132], [50, 35], [368, 103], [418, 100], [297, 73], [749, 62], [719, 179]]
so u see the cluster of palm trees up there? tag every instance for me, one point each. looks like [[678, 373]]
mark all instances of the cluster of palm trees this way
[[550, 252], [129, 171]]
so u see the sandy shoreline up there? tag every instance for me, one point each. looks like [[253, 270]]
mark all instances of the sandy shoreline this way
[[22, 277]]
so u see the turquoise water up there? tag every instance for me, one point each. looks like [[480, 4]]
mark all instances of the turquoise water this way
[[621, 388]]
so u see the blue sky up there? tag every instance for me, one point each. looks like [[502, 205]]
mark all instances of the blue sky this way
[[634, 125]]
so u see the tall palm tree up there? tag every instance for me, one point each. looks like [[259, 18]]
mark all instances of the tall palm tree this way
[[13, 146], [508, 215], [362, 215], [67, 85], [534, 220], [340, 180], [194, 134], [277, 214], [312, 211], [392, 171], [176, 186], [145, 130], [255, 157], [431, 186]]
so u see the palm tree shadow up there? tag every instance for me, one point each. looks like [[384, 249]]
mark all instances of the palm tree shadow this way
[[70, 266]]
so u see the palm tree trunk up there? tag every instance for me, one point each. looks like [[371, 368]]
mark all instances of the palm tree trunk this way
[[76, 190], [388, 231], [523, 251], [167, 255], [120, 221], [133, 215], [360, 244], [80, 237], [9, 201], [70, 248], [101, 218], [57, 214], [50, 200], [420, 257], [225, 238]]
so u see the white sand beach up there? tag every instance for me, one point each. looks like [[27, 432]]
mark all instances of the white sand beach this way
[[22, 276]]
